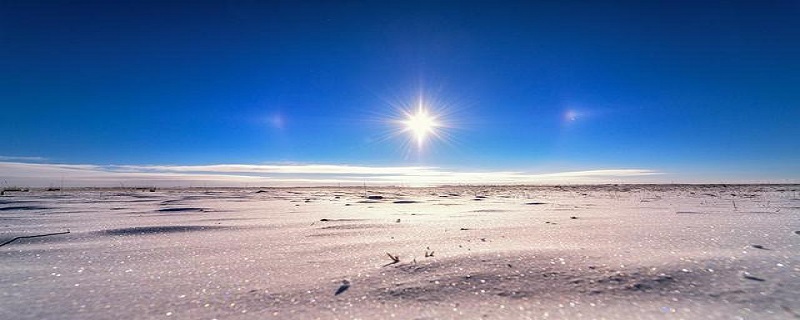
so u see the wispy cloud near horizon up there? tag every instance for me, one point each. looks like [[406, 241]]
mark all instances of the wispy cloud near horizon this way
[[43, 174], [21, 158]]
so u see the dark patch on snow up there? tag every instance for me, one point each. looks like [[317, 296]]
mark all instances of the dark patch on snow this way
[[158, 229], [187, 209], [22, 208]]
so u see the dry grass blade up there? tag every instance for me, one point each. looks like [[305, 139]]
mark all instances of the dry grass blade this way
[[395, 259], [33, 236]]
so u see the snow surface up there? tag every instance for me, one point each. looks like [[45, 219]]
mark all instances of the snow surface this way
[[616, 252]]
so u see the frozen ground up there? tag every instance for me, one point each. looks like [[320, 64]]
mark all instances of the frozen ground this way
[[695, 252]]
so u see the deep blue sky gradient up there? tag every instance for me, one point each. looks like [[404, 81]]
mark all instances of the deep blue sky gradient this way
[[690, 88]]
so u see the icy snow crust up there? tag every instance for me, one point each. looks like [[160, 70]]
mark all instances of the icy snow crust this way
[[639, 252]]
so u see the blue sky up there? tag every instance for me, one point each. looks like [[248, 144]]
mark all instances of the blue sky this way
[[682, 91]]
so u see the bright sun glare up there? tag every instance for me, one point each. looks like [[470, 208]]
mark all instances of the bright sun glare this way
[[421, 124]]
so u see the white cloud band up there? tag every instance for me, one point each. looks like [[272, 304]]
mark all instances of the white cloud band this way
[[40, 174]]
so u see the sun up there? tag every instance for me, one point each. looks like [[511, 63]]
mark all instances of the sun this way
[[421, 124]]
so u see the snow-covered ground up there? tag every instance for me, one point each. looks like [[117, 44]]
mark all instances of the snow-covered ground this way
[[693, 252]]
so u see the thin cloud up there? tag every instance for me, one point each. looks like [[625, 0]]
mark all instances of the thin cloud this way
[[281, 169], [23, 159], [38, 174], [590, 176]]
